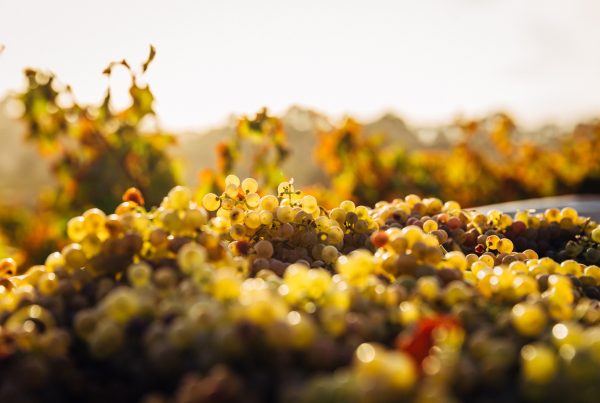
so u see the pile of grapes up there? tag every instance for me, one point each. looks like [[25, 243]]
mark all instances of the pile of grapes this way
[[242, 297]]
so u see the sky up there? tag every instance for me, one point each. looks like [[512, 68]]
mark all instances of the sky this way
[[428, 61]]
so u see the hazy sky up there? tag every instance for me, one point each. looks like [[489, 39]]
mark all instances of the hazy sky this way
[[426, 60]]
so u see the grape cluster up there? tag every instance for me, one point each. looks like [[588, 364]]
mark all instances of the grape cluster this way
[[254, 297]]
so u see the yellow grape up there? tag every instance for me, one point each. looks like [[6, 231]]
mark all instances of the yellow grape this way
[[211, 202], [249, 185]]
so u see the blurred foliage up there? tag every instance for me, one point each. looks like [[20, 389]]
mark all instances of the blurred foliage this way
[[490, 162], [95, 154]]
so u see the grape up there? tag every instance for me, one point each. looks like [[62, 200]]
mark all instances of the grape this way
[[54, 261], [195, 218], [539, 363], [94, 220], [409, 300], [428, 288], [266, 218], [74, 256], [379, 239], [264, 249], [139, 274], [596, 235], [211, 202], [492, 242], [48, 284], [8, 267], [269, 203], [252, 220], [284, 214], [309, 203], [329, 254], [249, 185], [76, 229], [348, 206], [430, 225], [231, 191], [529, 319], [232, 180], [504, 245], [252, 200], [456, 260], [180, 197], [191, 257]]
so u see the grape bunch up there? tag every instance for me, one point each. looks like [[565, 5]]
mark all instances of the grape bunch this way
[[255, 297]]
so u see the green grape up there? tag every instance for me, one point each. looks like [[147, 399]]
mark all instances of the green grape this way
[[195, 218], [236, 215], [593, 271], [48, 284], [191, 257], [303, 331], [76, 229], [252, 220], [539, 363], [91, 245], [394, 368], [338, 214], [412, 234], [232, 191], [171, 220], [139, 274], [269, 203], [505, 245], [94, 220], [266, 218], [456, 260], [74, 256], [329, 254], [529, 319], [451, 206], [356, 267], [249, 185], [237, 232], [335, 235], [252, 200], [227, 204], [596, 235], [428, 287], [309, 203], [362, 212], [54, 261], [211, 202], [284, 214], [232, 180], [348, 206], [121, 304], [106, 339], [492, 242], [179, 197], [430, 225], [552, 215], [226, 284], [85, 322]]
